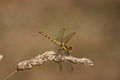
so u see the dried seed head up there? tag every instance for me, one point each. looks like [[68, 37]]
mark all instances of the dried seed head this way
[[38, 60], [50, 56]]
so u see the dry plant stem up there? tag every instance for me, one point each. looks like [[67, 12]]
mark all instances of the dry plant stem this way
[[51, 56], [10, 75], [48, 56]]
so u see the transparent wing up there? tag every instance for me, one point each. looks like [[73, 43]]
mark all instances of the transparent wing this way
[[59, 37], [60, 52], [68, 37], [60, 34], [60, 66], [70, 66]]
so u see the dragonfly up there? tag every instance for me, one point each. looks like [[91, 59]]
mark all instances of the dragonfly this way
[[61, 42]]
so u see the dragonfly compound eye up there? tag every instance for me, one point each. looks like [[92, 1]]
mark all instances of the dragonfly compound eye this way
[[70, 48]]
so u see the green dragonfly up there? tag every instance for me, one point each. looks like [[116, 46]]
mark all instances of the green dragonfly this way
[[63, 49]]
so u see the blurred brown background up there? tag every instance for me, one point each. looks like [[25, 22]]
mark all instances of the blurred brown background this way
[[96, 22]]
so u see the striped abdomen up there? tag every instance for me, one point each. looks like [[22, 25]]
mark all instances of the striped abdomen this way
[[50, 38]]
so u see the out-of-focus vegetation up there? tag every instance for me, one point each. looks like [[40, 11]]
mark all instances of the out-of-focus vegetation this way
[[1, 56], [96, 22]]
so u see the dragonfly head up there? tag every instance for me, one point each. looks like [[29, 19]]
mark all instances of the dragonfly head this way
[[70, 49]]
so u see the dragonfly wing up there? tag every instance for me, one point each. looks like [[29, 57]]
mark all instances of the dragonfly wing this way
[[68, 66], [71, 66], [68, 37], [60, 34], [60, 66]]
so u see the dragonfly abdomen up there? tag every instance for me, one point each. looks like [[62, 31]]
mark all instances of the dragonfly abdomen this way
[[50, 38]]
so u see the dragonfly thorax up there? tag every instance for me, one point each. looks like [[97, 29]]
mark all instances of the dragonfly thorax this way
[[65, 47]]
